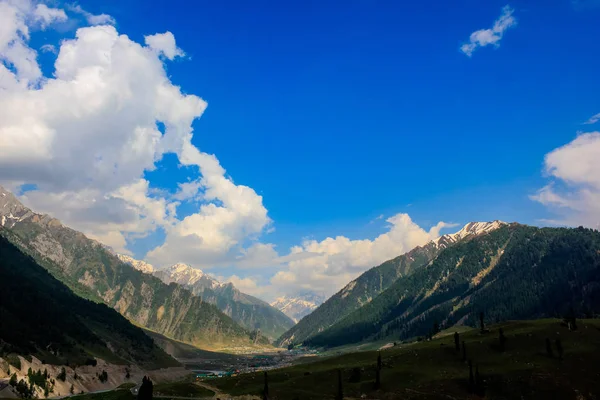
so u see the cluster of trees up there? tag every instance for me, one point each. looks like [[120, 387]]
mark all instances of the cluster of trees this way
[[365, 287], [515, 272], [26, 389]]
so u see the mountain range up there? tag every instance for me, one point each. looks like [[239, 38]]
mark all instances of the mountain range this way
[[92, 271], [299, 306], [42, 317], [246, 310], [370, 284], [513, 272]]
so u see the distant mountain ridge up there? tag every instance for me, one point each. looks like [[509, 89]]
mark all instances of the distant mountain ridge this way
[[93, 272], [371, 283], [297, 307], [249, 311], [42, 317], [137, 264], [513, 272]]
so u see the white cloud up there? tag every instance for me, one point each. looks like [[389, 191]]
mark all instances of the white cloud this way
[[86, 135], [47, 16], [485, 37], [574, 193], [164, 43], [328, 265], [93, 19], [49, 48], [245, 285], [593, 119]]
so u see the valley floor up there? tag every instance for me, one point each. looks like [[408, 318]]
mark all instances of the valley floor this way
[[435, 370]]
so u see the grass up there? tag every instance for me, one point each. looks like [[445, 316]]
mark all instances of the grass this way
[[181, 389], [112, 395], [127, 385], [431, 370]]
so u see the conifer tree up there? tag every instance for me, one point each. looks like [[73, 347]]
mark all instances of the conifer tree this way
[[266, 388], [340, 390]]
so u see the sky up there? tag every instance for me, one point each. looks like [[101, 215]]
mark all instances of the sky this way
[[290, 146]]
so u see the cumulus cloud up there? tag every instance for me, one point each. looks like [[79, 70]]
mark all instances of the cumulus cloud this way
[[46, 15], [574, 192], [593, 119], [492, 36], [164, 43], [326, 266], [93, 19], [86, 135]]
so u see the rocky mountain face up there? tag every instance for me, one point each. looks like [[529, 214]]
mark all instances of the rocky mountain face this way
[[297, 307], [42, 317], [513, 272], [246, 310], [137, 264], [374, 281], [93, 272]]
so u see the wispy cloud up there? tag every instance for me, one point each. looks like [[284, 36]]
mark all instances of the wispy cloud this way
[[93, 19], [593, 119], [485, 37]]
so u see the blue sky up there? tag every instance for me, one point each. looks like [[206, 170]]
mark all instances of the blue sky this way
[[338, 113]]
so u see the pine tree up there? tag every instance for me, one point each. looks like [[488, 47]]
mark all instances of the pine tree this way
[[146, 389], [266, 388], [481, 324], [471, 376], [340, 391], [13, 380], [378, 372]]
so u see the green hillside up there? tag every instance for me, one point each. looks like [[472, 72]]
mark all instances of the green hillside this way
[[94, 272], [515, 272], [356, 293], [42, 317], [435, 370]]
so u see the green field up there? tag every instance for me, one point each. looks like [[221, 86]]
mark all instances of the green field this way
[[120, 394], [181, 389], [433, 369]]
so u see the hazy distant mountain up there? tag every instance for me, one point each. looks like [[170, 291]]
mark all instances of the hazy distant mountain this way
[[297, 307], [137, 264], [374, 281], [514, 272], [43, 317], [248, 311], [94, 272]]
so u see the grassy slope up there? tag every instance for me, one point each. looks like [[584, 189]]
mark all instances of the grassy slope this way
[[356, 293], [431, 370], [515, 272], [42, 317]]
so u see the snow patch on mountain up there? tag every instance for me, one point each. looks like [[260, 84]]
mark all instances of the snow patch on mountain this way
[[470, 229], [298, 307], [137, 264], [186, 275]]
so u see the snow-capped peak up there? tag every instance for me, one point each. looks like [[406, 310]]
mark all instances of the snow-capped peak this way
[[470, 229], [137, 264], [298, 307], [185, 274]]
